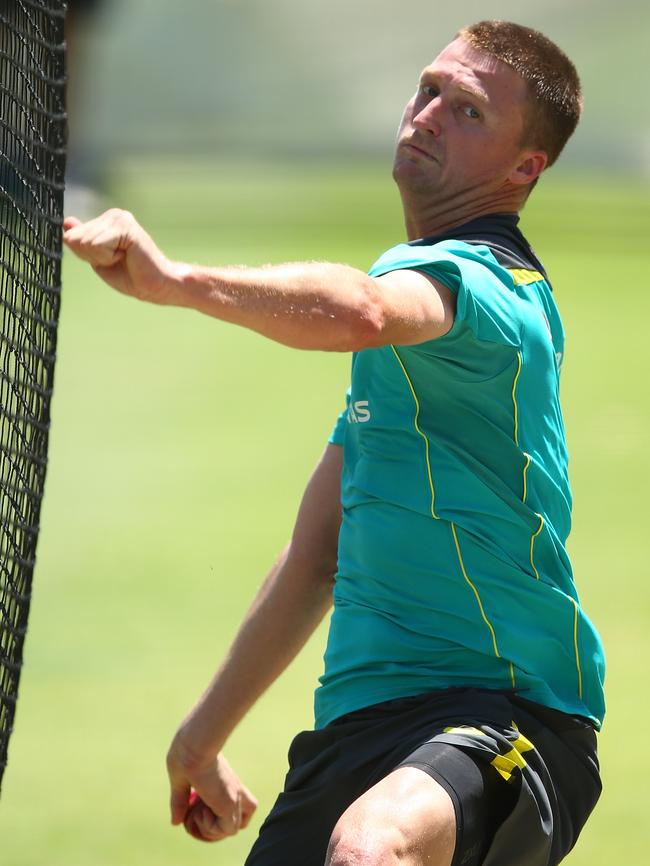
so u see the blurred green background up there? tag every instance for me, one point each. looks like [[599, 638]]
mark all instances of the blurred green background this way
[[250, 133]]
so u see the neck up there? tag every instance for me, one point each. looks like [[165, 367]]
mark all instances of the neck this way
[[427, 218]]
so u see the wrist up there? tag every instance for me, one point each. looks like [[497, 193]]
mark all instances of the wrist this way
[[202, 733], [178, 284], [193, 749]]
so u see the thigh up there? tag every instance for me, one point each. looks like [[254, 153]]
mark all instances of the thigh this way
[[331, 768], [542, 782], [319, 786], [407, 818], [481, 798], [519, 793], [432, 804]]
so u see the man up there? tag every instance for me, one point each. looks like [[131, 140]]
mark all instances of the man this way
[[463, 683]]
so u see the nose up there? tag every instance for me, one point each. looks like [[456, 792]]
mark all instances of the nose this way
[[428, 118]]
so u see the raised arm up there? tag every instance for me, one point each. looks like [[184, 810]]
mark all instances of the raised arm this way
[[290, 604], [307, 305]]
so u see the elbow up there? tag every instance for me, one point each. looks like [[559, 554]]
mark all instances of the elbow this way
[[324, 571], [317, 568], [368, 325], [346, 312], [369, 332]]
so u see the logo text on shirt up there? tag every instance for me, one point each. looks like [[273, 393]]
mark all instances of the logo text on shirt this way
[[358, 412]]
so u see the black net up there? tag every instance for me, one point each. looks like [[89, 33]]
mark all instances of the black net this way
[[32, 166]]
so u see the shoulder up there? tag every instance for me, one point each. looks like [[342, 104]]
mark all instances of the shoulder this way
[[484, 290]]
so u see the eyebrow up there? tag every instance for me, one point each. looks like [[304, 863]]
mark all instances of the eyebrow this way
[[475, 92]]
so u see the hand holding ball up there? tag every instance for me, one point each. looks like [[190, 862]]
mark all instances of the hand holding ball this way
[[201, 822]]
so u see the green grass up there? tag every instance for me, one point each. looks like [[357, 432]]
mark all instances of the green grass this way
[[179, 450]]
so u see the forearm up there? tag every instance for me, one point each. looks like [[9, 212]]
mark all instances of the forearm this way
[[292, 601], [287, 609], [308, 305]]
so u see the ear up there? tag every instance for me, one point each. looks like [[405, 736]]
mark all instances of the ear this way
[[532, 163]]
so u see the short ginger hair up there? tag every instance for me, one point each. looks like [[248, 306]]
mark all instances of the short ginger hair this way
[[554, 91]]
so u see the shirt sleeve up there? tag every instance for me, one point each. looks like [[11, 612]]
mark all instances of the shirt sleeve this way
[[485, 296], [337, 437]]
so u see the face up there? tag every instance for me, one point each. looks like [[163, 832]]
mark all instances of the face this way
[[461, 134]]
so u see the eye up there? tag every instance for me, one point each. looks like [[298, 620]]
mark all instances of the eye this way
[[429, 90], [471, 112]]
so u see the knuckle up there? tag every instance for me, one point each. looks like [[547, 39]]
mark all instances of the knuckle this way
[[119, 215]]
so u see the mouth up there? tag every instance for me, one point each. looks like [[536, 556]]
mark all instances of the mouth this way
[[408, 145]]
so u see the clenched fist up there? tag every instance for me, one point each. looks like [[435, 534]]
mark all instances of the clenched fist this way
[[207, 795], [122, 253]]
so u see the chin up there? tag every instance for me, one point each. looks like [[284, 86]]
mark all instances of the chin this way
[[411, 180], [407, 168]]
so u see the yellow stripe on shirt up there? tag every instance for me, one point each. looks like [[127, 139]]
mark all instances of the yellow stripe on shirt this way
[[532, 544], [524, 277], [575, 645], [475, 590], [514, 398], [417, 427]]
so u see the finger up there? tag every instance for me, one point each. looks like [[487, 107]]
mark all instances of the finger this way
[[113, 226], [107, 248], [193, 822], [97, 243], [201, 823], [76, 231], [248, 807], [213, 833], [224, 802], [229, 822], [216, 826]]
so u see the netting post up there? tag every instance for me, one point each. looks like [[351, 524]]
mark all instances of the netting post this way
[[32, 169]]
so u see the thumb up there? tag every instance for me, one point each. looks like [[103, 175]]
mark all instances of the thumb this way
[[71, 222], [179, 802]]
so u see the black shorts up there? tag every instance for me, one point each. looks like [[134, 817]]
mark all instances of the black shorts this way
[[523, 778]]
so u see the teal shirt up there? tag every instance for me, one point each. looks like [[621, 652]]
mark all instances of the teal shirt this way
[[456, 505]]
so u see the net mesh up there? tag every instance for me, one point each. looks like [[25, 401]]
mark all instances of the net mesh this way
[[32, 166]]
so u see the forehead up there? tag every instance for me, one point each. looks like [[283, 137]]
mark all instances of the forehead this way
[[465, 66]]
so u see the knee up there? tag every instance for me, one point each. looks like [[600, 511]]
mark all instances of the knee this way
[[370, 847]]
